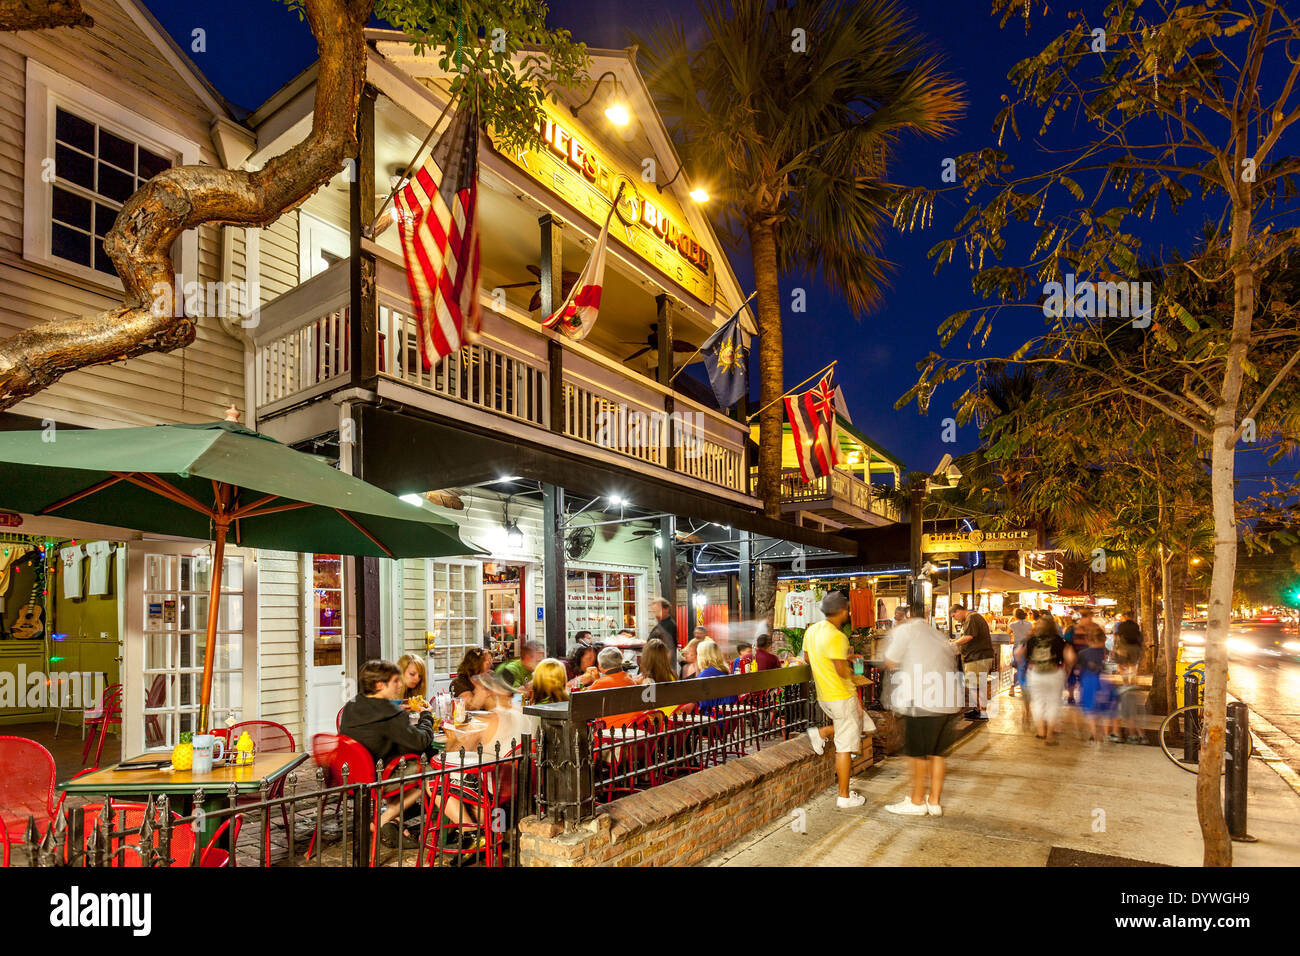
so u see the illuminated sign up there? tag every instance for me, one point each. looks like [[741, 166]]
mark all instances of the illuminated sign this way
[[979, 541], [578, 173]]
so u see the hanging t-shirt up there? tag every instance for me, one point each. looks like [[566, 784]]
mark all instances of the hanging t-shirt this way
[[71, 558], [98, 552], [862, 607], [802, 608]]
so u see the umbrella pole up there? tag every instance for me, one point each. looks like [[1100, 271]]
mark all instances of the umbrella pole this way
[[214, 610]]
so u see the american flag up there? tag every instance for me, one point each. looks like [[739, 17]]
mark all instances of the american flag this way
[[812, 420], [578, 314], [437, 216]]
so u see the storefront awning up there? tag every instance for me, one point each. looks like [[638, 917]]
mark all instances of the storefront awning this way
[[403, 453]]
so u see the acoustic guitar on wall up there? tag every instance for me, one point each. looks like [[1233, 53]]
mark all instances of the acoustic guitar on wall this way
[[30, 625]]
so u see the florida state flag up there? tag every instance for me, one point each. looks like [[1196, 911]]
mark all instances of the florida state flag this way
[[811, 415]]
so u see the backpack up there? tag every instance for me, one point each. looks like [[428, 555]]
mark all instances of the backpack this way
[[1041, 658]]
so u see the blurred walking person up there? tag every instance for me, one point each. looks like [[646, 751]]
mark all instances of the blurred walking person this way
[[927, 691], [1021, 628], [826, 649], [1047, 656]]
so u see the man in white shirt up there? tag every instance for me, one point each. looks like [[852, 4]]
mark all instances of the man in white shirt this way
[[927, 689]]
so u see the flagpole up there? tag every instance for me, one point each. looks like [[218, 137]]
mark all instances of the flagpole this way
[[701, 348], [788, 391], [411, 165]]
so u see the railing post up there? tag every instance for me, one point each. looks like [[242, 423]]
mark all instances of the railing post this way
[[566, 779]]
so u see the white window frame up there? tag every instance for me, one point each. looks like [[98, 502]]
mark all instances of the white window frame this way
[[48, 91], [430, 593], [641, 575]]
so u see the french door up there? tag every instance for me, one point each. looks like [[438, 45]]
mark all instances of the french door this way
[[166, 639]]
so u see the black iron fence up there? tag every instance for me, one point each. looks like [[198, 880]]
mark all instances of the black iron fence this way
[[603, 744], [463, 809]]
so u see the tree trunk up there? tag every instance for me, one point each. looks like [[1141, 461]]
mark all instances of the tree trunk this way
[[42, 15], [185, 197], [1146, 611], [1159, 701], [1209, 783], [771, 364], [764, 591]]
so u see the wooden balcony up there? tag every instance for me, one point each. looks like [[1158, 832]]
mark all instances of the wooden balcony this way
[[842, 500], [302, 350]]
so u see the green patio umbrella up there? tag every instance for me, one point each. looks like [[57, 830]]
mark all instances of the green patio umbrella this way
[[210, 481]]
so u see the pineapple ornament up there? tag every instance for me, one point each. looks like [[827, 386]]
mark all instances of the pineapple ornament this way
[[183, 752]]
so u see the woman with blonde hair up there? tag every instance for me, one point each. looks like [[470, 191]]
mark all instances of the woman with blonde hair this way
[[690, 663], [712, 664], [414, 676], [549, 682]]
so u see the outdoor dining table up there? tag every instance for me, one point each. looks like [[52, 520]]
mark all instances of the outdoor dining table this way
[[136, 785]]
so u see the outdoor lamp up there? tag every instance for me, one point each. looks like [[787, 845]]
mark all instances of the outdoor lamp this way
[[699, 194], [617, 112], [514, 535]]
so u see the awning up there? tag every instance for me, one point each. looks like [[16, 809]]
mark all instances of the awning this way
[[990, 579]]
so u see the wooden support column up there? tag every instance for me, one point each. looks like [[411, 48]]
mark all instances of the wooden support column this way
[[668, 568], [745, 576], [367, 593], [363, 329], [553, 570], [916, 597], [664, 373], [552, 293]]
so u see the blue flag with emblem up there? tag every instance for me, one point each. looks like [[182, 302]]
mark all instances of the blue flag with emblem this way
[[727, 359]]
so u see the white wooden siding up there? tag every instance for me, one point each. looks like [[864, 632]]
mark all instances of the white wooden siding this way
[[280, 640], [116, 59]]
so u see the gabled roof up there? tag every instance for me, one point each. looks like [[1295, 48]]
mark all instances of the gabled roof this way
[[179, 59]]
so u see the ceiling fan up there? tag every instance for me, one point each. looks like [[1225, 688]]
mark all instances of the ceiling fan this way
[[567, 279], [685, 537], [651, 344]]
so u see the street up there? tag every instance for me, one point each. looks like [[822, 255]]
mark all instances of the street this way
[[1273, 692]]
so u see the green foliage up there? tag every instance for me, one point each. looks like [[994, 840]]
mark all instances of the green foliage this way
[[794, 639], [510, 60], [801, 139]]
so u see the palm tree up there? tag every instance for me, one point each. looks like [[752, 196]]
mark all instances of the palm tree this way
[[791, 113]]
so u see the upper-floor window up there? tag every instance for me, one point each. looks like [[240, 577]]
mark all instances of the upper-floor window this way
[[95, 173], [86, 154]]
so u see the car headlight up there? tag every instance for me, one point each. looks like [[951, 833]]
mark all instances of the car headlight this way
[[1242, 647], [1292, 646]]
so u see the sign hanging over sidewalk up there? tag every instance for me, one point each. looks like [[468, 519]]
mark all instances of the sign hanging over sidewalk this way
[[1026, 540]]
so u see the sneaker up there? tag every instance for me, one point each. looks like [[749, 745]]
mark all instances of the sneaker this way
[[817, 740], [907, 808], [972, 714], [934, 809], [854, 799], [388, 834]]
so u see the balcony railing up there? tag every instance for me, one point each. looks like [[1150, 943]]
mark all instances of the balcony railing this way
[[840, 496], [302, 351]]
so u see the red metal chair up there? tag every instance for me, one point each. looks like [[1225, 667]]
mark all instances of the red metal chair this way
[[101, 717], [130, 816], [268, 737], [495, 790], [334, 751], [27, 778], [338, 720], [688, 734], [631, 755], [4, 845]]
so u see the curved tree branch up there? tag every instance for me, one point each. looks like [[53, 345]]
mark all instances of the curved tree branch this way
[[185, 197], [18, 15]]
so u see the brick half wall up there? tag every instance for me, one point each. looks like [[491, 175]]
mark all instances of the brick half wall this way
[[686, 820]]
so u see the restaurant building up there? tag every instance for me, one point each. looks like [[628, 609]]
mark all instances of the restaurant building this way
[[590, 479]]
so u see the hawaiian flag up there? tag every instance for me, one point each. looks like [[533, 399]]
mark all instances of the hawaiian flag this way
[[812, 419], [437, 216], [578, 314]]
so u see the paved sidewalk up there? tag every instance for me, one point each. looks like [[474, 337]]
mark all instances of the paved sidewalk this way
[[1009, 800]]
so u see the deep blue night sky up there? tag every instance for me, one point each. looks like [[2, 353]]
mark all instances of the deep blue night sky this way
[[877, 354]]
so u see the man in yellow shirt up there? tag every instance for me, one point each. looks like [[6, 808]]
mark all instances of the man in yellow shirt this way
[[826, 650]]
